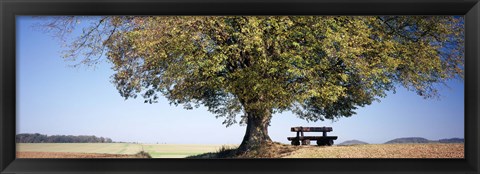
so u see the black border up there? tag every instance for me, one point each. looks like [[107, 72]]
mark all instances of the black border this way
[[10, 8]]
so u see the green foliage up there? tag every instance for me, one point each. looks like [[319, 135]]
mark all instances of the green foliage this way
[[318, 67], [40, 138]]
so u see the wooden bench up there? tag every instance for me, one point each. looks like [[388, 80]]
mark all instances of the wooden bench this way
[[305, 140]]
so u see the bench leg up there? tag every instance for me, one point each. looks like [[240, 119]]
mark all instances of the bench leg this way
[[295, 142], [323, 142], [320, 142], [329, 142]]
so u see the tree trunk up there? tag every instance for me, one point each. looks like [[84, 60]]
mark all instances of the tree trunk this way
[[257, 130]]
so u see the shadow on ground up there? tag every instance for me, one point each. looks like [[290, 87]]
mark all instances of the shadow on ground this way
[[269, 150]]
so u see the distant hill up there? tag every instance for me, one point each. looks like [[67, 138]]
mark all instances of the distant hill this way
[[351, 142], [40, 138], [424, 140], [408, 140], [452, 140]]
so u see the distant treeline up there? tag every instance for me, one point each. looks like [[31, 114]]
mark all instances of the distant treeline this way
[[39, 138]]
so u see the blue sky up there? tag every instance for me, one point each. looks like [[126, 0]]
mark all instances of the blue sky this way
[[54, 98]]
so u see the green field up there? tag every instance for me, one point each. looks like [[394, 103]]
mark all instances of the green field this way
[[155, 150]]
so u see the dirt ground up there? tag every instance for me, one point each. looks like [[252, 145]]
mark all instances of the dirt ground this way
[[155, 150], [431, 150], [71, 155], [277, 150]]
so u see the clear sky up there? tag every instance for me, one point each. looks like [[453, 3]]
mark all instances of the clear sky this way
[[54, 98]]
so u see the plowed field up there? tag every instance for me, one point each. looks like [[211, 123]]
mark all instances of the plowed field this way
[[71, 155], [430, 150]]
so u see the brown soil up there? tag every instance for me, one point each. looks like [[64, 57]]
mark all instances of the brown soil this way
[[277, 150], [72, 155], [429, 150], [269, 150]]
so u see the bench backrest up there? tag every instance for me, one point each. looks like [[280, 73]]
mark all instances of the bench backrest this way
[[311, 129]]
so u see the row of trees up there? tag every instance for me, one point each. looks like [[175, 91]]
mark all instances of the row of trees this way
[[40, 138]]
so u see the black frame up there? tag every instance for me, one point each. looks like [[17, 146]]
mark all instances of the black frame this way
[[10, 8]]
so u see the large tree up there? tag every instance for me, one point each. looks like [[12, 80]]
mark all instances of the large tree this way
[[250, 67]]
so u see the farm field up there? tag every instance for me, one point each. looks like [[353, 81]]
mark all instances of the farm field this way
[[429, 150], [72, 155], [125, 150], [155, 150]]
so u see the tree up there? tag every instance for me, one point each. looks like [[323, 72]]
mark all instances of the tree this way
[[317, 67], [40, 138]]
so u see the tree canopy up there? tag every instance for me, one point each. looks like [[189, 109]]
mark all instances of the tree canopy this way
[[317, 67]]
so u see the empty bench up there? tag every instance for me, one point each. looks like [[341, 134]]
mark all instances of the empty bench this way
[[305, 140]]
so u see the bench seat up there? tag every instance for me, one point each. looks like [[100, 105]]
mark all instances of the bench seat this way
[[311, 129], [313, 138]]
